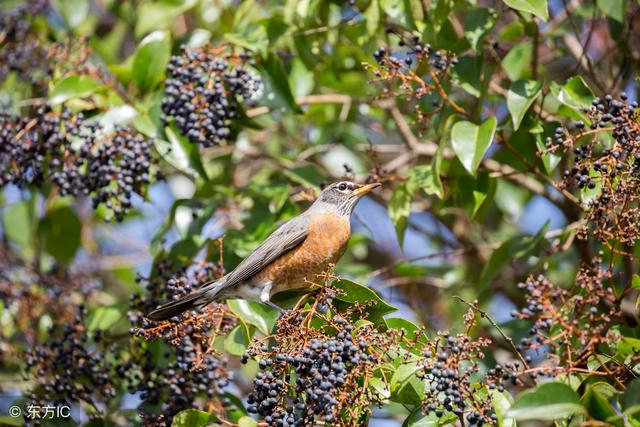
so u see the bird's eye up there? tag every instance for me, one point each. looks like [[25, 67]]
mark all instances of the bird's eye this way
[[342, 187]]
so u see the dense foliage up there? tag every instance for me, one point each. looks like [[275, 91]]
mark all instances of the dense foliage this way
[[147, 146]]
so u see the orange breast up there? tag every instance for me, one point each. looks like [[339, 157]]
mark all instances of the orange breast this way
[[327, 239]]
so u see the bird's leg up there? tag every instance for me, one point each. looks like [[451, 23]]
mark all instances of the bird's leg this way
[[265, 298], [275, 307]]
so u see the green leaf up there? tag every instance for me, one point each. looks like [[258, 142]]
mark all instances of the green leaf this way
[[549, 160], [254, 313], [520, 97], [180, 153], [357, 293], [536, 7], [60, 232], [193, 418], [18, 223], [575, 93], [7, 420], [72, 87], [277, 92], [418, 419], [237, 340], [247, 421], [103, 318], [302, 80], [399, 11], [380, 387], [401, 324], [630, 400], [150, 60], [548, 401], [596, 404], [467, 76], [74, 12], [502, 401], [405, 386], [478, 23], [251, 36], [400, 207], [160, 15], [470, 142], [425, 178], [614, 9], [372, 17], [517, 63]]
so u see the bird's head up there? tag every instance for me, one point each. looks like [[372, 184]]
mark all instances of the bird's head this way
[[342, 196]]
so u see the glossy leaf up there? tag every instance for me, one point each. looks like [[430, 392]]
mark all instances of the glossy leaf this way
[[372, 17], [470, 142], [150, 60], [247, 421], [18, 223], [180, 153], [60, 231], [159, 15], [277, 92], [478, 23], [380, 387], [502, 401], [466, 74], [614, 9], [353, 292], [548, 401], [103, 318], [536, 7], [517, 63], [400, 208], [426, 179], [630, 400], [74, 12], [254, 313], [520, 97], [405, 386], [418, 419], [237, 341], [193, 418], [596, 404], [575, 93], [72, 87]]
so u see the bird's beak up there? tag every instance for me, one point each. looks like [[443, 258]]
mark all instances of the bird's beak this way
[[366, 188]]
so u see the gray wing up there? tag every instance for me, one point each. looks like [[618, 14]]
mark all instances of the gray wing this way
[[286, 237]]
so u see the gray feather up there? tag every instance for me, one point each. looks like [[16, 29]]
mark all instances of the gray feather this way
[[286, 237]]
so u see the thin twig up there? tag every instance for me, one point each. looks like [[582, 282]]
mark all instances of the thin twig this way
[[508, 339]]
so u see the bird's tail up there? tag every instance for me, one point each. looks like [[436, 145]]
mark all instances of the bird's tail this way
[[203, 296]]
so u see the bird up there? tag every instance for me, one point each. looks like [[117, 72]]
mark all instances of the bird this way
[[296, 252]]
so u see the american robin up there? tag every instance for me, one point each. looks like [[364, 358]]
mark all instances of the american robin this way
[[302, 248]]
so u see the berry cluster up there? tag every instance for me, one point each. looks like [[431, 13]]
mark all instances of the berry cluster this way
[[418, 68], [323, 373], [562, 320], [73, 366], [610, 171], [21, 52], [78, 157], [450, 364], [177, 385], [28, 294], [205, 91], [195, 372]]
